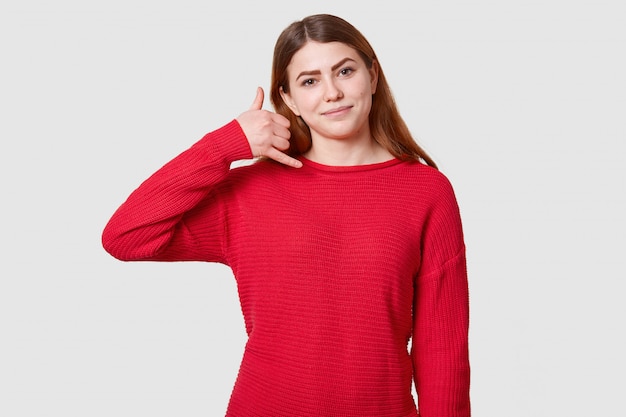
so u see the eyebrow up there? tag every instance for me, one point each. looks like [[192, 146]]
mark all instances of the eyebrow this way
[[333, 68]]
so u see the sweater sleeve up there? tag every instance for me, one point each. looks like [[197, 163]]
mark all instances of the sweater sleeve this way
[[441, 314], [171, 216]]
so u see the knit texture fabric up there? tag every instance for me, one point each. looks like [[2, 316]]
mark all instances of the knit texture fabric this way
[[352, 280]]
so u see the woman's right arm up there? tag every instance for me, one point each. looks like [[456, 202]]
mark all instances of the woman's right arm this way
[[151, 218], [168, 216]]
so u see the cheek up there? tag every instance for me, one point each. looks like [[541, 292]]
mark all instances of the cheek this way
[[365, 88], [305, 102], [366, 93]]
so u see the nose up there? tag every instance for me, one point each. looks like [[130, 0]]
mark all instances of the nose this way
[[332, 91]]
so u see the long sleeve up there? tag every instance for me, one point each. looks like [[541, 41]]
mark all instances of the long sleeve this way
[[336, 267], [171, 216], [441, 314]]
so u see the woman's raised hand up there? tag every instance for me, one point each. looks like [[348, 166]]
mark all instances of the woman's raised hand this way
[[267, 132]]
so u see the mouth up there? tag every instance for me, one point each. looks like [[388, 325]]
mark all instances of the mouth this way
[[337, 111]]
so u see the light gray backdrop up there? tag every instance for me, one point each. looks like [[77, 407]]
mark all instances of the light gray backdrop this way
[[521, 102]]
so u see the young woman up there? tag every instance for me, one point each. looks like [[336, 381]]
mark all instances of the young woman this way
[[344, 239]]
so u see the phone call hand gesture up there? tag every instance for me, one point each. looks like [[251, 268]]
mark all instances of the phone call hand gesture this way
[[267, 132]]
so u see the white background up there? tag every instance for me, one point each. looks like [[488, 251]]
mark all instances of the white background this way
[[522, 103]]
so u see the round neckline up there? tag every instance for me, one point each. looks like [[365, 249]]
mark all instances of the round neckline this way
[[348, 168]]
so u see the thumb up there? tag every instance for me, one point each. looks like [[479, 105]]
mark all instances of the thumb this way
[[257, 104]]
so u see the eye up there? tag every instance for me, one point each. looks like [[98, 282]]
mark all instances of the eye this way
[[346, 71], [308, 82]]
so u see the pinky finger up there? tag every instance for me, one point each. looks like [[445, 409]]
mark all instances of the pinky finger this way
[[283, 158]]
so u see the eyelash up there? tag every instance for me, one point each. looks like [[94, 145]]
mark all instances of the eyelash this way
[[343, 72], [349, 70]]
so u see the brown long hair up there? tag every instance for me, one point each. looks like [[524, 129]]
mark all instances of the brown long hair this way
[[387, 126]]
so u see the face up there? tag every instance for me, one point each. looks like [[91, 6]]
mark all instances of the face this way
[[331, 88]]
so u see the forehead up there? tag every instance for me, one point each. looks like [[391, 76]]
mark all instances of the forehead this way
[[320, 56]]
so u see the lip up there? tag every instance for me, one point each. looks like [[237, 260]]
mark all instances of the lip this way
[[337, 111]]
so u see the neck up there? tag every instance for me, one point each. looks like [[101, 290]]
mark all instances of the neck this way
[[345, 153]]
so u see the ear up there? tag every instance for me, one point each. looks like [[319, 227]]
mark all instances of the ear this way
[[289, 101], [374, 75]]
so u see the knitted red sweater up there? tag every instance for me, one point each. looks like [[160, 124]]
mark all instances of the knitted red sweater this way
[[340, 271]]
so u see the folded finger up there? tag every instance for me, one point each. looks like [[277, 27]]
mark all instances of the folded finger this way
[[280, 119], [282, 132], [281, 143]]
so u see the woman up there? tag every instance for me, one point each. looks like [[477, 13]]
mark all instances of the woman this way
[[345, 240]]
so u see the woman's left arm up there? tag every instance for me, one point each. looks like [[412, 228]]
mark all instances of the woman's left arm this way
[[441, 313]]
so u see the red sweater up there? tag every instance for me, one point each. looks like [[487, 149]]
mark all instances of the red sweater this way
[[352, 280]]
